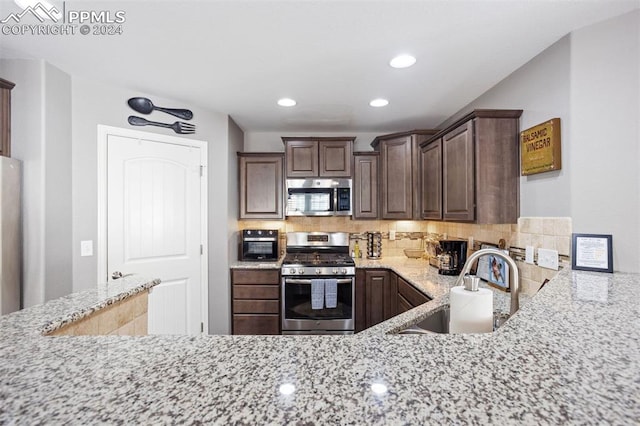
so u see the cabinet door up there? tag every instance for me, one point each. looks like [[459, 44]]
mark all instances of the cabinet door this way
[[396, 185], [256, 324], [377, 287], [431, 181], [365, 187], [261, 187], [378, 297], [335, 158], [302, 159], [458, 174]]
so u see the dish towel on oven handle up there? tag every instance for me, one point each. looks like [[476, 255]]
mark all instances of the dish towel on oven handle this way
[[331, 292], [317, 293]]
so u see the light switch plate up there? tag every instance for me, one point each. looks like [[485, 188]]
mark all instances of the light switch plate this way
[[392, 235], [528, 254], [86, 248], [548, 258]]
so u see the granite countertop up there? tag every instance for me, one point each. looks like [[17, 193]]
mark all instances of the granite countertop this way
[[570, 355]]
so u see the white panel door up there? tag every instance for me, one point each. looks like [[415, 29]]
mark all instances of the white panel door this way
[[154, 226]]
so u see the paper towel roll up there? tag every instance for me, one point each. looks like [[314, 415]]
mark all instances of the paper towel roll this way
[[471, 311]]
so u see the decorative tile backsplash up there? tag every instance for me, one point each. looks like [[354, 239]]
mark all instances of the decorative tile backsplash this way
[[539, 232]]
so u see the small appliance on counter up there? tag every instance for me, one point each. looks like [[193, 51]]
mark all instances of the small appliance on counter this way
[[260, 245], [374, 245], [452, 257]]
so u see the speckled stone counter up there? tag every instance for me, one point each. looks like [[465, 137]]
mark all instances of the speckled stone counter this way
[[53, 315], [570, 355]]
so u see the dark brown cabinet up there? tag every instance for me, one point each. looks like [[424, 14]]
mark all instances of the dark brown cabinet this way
[[458, 174], [431, 180], [261, 185], [382, 294], [318, 157], [365, 185], [480, 169], [408, 297], [5, 117], [400, 173], [255, 298], [376, 292]]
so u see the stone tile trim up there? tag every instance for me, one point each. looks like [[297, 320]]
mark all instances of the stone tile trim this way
[[126, 317]]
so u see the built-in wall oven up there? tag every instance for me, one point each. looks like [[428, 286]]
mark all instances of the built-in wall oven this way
[[318, 284]]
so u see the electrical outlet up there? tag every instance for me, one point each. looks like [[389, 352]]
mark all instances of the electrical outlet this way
[[528, 255], [86, 248], [392, 235], [548, 259]]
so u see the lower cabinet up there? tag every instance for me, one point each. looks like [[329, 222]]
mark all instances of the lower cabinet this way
[[255, 298], [376, 294], [381, 295], [408, 297]]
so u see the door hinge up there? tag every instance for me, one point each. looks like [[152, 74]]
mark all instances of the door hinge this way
[[201, 171], [201, 327], [201, 249]]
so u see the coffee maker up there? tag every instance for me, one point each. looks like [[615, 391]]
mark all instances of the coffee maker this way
[[452, 257]]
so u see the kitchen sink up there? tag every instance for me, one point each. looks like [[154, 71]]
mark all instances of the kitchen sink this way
[[438, 322]]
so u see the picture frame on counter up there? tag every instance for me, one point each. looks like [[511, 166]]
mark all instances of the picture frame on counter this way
[[592, 252]]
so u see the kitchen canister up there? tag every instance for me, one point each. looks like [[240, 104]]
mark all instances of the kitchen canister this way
[[471, 308], [374, 245]]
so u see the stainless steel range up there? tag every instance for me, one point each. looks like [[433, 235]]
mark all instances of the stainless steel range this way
[[318, 284]]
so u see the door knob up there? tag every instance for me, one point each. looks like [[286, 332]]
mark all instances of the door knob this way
[[116, 275]]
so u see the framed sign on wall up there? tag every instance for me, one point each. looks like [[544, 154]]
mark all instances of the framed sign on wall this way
[[540, 148]]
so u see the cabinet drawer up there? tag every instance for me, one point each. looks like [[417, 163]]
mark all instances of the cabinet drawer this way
[[256, 306], [411, 295], [403, 305], [256, 292], [256, 324], [255, 276]]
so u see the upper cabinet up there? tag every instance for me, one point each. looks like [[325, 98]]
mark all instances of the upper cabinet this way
[[400, 173], [470, 170], [431, 180], [261, 185], [5, 117], [318, 157], [365, 185]]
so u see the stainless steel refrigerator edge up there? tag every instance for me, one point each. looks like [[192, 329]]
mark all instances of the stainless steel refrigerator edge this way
[[10, 234]]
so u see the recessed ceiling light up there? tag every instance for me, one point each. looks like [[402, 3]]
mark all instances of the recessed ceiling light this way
[[379, 102], [286, 102], [402, 61]]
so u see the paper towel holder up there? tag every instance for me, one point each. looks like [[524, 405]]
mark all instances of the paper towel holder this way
[[471, 282], [515, 277]]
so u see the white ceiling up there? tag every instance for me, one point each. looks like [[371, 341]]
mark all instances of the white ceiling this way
[[239, 57]]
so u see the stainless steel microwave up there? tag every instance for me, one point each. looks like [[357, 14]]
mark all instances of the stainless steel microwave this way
[[318, 197]]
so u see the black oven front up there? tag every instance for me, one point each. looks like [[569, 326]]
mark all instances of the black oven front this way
[[299, 317], [259, 245]]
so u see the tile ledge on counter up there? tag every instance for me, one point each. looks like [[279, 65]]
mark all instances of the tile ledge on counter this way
[[76, 306]]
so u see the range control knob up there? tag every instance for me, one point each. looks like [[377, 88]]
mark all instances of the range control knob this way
[[335, 271], [318, 271], [344, 271], [301, 271]]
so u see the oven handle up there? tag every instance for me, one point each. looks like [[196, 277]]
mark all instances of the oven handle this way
[[303, 281]]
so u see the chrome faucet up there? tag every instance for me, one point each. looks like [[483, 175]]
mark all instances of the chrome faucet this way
[[514, 284]]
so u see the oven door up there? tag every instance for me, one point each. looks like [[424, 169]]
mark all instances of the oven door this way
[[297, 313], [259, 249]]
